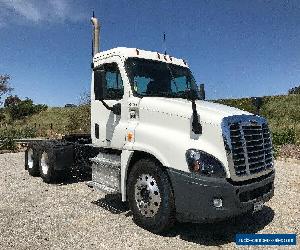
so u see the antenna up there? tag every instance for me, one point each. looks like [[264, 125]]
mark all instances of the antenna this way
[[164, 43]]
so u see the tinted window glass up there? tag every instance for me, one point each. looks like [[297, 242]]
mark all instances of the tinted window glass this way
[[155, 78], [108, 82]]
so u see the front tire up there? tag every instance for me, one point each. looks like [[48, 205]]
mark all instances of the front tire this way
[[150, 196]]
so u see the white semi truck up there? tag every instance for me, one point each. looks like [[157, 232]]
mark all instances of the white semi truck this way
[[168, 153]]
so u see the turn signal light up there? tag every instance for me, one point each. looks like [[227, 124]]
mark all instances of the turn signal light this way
[[196, 166], [129, 136]]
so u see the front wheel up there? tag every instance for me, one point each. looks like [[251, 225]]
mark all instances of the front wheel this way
[[150, 196]]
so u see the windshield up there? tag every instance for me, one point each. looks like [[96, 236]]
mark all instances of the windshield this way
[[154, 78]]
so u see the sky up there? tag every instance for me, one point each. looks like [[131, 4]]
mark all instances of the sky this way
[[236, 48]]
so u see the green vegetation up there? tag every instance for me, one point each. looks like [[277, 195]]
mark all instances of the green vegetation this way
[[295, 90], [49, 123], [4, 86], [8, 135], [22, 109], [52, 122], [79, 120]]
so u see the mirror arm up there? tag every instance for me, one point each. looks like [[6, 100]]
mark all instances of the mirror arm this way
[[106, 106], [116, 109]]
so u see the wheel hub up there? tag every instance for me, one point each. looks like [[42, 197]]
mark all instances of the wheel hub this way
[[147, 195], [30, 158], [44, 163]]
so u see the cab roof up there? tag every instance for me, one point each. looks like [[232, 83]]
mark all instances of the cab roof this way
[[138, 53]]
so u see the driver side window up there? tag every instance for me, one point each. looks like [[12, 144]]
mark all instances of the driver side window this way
[[108, 82]]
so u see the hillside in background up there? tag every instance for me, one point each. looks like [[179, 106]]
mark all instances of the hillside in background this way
[[282, 113], [53, 123]]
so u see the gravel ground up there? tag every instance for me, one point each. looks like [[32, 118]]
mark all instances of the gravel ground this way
[[36, 215], [289, 151]]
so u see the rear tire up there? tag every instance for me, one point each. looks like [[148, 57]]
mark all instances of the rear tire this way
[[46, 166], [32, 160], [150, 196]]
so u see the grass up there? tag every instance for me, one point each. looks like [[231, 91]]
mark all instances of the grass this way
[[54, 122]]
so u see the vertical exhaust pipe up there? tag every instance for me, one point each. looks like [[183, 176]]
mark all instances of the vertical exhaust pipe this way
[[96, 30]]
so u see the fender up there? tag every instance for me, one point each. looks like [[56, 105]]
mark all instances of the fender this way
[[126, 157], [125, 161]]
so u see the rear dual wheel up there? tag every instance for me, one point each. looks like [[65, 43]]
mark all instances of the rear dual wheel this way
[[40, 161], [32, 160], [46, 167]]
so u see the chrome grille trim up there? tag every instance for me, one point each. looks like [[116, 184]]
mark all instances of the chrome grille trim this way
[[248, 145]]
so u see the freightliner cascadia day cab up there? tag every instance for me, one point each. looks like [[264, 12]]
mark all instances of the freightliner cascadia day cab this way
[[171, 155]]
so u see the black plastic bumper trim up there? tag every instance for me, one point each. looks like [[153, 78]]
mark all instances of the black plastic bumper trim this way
[[194, 196]]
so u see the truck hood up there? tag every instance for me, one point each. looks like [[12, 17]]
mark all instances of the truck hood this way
[[209, 112]]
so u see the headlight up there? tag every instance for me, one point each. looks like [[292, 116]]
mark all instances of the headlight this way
[[204, 164]]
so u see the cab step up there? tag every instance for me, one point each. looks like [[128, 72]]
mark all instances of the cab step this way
[[106, 173], [101, 187]]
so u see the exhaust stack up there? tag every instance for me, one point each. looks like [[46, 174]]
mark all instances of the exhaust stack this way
[[96, 30]]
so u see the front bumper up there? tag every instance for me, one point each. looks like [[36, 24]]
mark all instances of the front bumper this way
[[194, 195]]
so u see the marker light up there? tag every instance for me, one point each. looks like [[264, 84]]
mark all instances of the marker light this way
[[129, 136]]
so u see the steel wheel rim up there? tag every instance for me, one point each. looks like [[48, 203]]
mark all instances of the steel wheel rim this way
[[44, 163], [147, 195], [30, 158]]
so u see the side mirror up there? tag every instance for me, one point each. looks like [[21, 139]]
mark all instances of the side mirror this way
[[116, 109], [202, 91], [192, 94]]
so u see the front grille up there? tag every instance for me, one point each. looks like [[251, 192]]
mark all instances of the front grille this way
[[251, 147]]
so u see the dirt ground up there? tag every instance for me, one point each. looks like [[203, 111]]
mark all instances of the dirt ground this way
[[36, 215]]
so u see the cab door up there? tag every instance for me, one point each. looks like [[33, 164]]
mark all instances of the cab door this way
[[108, 129]]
